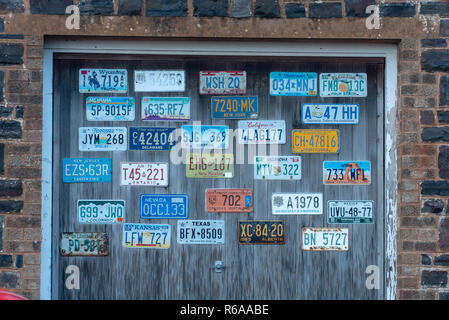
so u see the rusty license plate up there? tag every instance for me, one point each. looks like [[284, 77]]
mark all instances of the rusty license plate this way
[[229, 200], [261, 232], [84, 244]]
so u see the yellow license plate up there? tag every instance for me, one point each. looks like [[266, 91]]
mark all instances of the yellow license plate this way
[[316, 141]]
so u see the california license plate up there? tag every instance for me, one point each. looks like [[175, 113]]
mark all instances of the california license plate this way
[[222, 82], [350, 211], [102, 139], [166, 108], [209, 165], [316, 141], [347, 172], [144, 174], [84, 244], [297, 203], [152, 236], [229, 200], [159, 81], [234, 107], [86, 170], [164, 206], [277, 167], [213, 137], [293, 84], [152, 139], [261, 132], [343, 85], [110, 109], [325, 239], [101, 211], [322, 113], [103, 81], [201, 231], [261, 232]]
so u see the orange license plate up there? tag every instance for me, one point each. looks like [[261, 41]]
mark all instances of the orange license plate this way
[[229, 200]]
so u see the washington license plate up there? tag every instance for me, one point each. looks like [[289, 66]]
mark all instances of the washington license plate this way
[[84, 244], [213, 137], [153, 236], [102, 139], [297, 203], [103, 81], [201, 231], [293, 83], [86, 170], [343, 85], [234, 107], [261, 232], [110, 109], [350, 211], [222, 82], [209, 165], [316, 141], [164, 206], [101, 211], [229, 200], [277, 167], [262, 132], [347, 172], [144, 174], [160, 81], [166, 108], [152, 139], [322, 113], [325, 239]]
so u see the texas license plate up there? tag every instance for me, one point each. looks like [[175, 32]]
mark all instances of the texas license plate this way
[[144, 174], [277, 167], [103, 81], [209, 165], [325, 239], [316, 141], [297, 203], [110, 109], [153, 236], [343, 85], [261, 232], [222, 82], [86, 170], [213, 137], [102, 139], [152, 139], [234, 107], [347, 172], [166, 108], [229, 200], [164, 206], [101, 211], [350, 211], [84, 244], [159, 81], [322, 113], [261, 132], [201, 231], [293, 83]]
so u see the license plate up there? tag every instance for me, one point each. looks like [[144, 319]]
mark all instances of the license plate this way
[[234, 107], [110, 109], [164, 206], [261, 232], [160, 81], [153, 236], [84, 244], [343, 85], [144, 174], [277, 167], [102, 139], [86, 170], [316, 141], [297, 203], [302, 84], [262, 132], [325, 239], [222, 82], [201, 232], [103, 81], [209, 165], [213, 137], [347, 172], [350, 211], [166, 108], [101, 211], [330, 113], [229, 200], [153, 139]]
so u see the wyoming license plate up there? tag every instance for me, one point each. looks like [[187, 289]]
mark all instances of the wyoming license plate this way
[[234, 107], [201, 232], [102, 139], [293, 83], [86, 170], [153, 236], [101, 211], [164, 206], [261, 232], [347, 172], [277, 167], [322, 113], [209, 165], [103, 81], [229, 200], [222, 82], [84, 244], [297, 203], [343, 85], [144, 174], [166, 108], [262, 132], [213, 137], [316, 141], [110, 109], [325, 239], [152, 139], [350, 211]]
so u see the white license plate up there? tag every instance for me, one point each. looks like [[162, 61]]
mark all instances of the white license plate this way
[[101, 211], [166, 108], [144, 174], [213, 137], [325, 239], [102, 139], [201, 232], [103, 81], [322, 113], [277, 167], [151, 236], [222, 82], [110, 109], [350, 211], [159, 81], [343, 85], [262, 132], [296, 203]]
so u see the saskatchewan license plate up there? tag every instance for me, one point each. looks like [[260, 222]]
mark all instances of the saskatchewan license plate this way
[[153, 236], [297, 203], [166, 108], [350, 211], [325, 239], [160, 81], [222, 82], [153, 139], [261, 132], [261, 232], [102, 139], [277, 167], [101, 211], [229, 200], [110, 109], [103, 80], [209, 165], [234, 107], [343, 85], [201, 231], [347, 172], [213, 137], [322, 113], [84, 244], [86, 170], [316, 141], [164, 206], [293, 83], [144, 174]]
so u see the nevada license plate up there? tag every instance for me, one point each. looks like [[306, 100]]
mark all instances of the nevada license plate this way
[[277, 167], [153, 139], [144, 174], [261, 232], [222, 82], [322, 113], [153, 236], [209, 165], [86, 170], [350, 211], [229, 200], [234, 107], [213, 137], [101, 211], [343, 85], [84, 244], [316, 141], [110, 109], [262, 132], [325, 239], [201, 232], [102, 139], [347, 172], [160, 81], [164, 206], [103, 80], [297, 203], [293, 83], [166, 108]]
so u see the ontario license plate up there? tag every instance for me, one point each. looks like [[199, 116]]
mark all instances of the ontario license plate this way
[[160, 81], [316, 141], [153, 236], [350, 211], [262, 132], [209, 165], [222, 82], [110, 109], [213, 137], [293, 84], [229, 200], [325, 239], [343, 85], [86, 170], [101, 211], [261, 232], [103, 81], [297, 203], [84, 244], [102, 139], [277, 167], [164, 206], [347, 172], [144, 174], [234, 107], [166, 108], [322, 113], [201, 232], [153, 139]]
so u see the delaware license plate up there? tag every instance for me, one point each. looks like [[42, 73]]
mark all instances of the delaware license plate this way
[[229, 200], [234, 107], [316, 141], [101, 211], [277, 167], [350, 211], [144, 174], [201, 232], [347, 172], [343, 85], [297, 203], [102, 139], [153, 139], [160, 81], [103, 81], [153, 236], [261, 232], [110, 109], [209, 165], [303, 84], [86, 170], [330, 113], [166, 108], [164, 206], [222, 82], [262, 132], [84, 244], [213, 137], [325, 239]]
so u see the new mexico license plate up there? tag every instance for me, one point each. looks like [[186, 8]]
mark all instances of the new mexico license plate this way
[[201, 232], [343, 85], [164, 206], [229, 200], [110, 109], [316, 141], [152, 139], [101, 211], [102, 139], [322, 113], [86, 170], [166, 108], [297, 203], [350, 211], [84, 244], [213, 137], [234, 107], [277, 167], [325, 239], [144, 174], [293, 84], [261, 232], [222, 82], [347, 172], [159, 81], [209, 165], [103, 81], [262, 132], [153, 236]]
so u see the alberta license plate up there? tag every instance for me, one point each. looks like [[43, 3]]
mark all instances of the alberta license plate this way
[[229, 200], [101, 211], [102, 139], [110, 109], [293, 83], [86, 170], [350, 211], [234, 107], [201, 231], [325, 239], [152, 139], [322, 113], [261, 232], [297, 203], [84, 244], [213, 137], [166, 108], [144, 174], [261, 132], [343, 85], [164, 206], [347, 172], [159, 81], [277, 167], [222, 82], [103, 81], [209, 165], [316, 141], [153, 236]]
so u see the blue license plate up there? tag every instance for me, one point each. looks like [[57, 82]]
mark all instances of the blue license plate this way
[[234, 107], [293, 84], [103, 81], [86, 170], [163, 206], [152, 139], [214, 137]]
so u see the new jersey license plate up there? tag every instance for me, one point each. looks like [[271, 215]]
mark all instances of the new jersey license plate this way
[[209, 165], [325, 239], [347, 172], [316, 141], [201, 232], [293, 84], [261, 132], [110, 109], [322, 113], [144, 174], [86, 170], [164, 206], [84, 244], [297, 203], [222, 82], [234, 107], [277, 167], [213, 137], [343, 85], [229, 200], [103, 81], [159, 81], [102, 139], [350, 211], [166, 108], [152, 236], [152, 139], [261, 232], [101, 211]]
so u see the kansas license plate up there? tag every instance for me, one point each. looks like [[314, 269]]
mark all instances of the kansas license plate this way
[[153, 139], [110, 109], [103, 81], [293, 84], [209, 165], [101, 211], [347, 172], [84, 244], [229, 200], [164, 206], [261, 232], [343, 85], [316, 141], [277, 167], [86, 170], [102, 139], [262, 132], [325, 239], [213, 137], [201, 232], [153, 236], [322, 113], [222, 82], [166, 108], [350, 211], [234, 107], [297, 203], [160, 81], [144, 174]]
